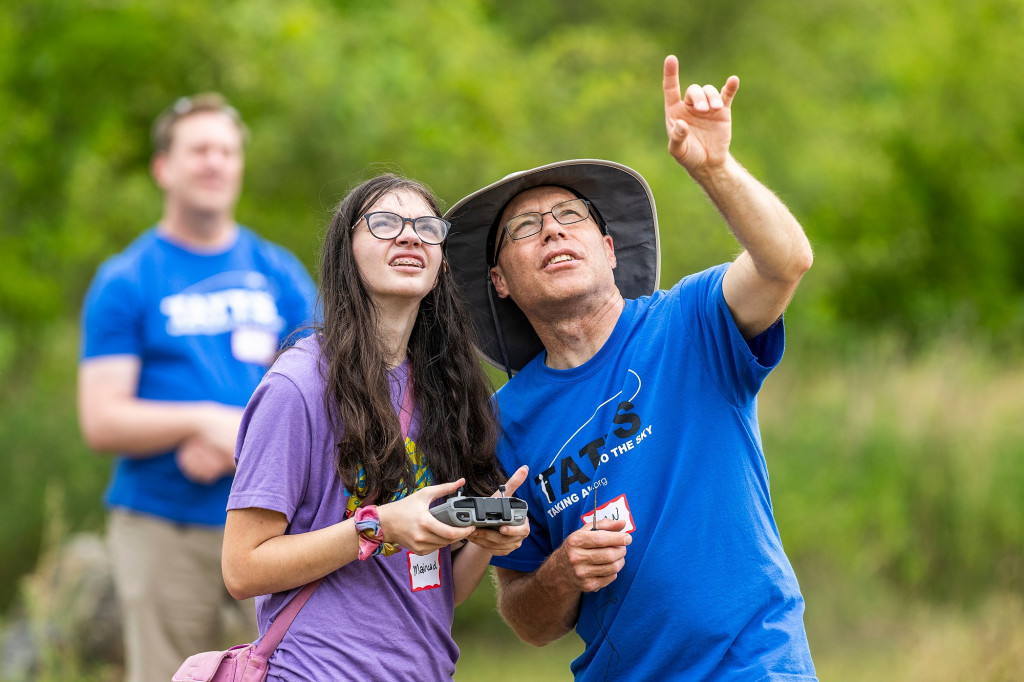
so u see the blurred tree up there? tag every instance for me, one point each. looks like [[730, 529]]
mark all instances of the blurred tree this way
[[895, 131], [898, 131]]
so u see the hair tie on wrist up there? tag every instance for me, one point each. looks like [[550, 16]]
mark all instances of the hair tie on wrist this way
[[371, 539]]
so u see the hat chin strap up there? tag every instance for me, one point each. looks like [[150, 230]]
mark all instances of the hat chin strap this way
[[497, 325]]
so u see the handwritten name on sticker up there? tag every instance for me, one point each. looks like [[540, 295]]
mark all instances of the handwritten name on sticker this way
[[613, 509], [424, 571]]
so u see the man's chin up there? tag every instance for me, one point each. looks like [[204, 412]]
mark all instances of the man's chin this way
[[547, 299], [211, 207]]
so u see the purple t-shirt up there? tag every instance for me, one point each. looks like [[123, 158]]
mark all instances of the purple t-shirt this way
[[383, 618]]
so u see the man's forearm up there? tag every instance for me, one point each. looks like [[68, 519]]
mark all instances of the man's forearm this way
[[759, 220], [541, 606], [142, 428]]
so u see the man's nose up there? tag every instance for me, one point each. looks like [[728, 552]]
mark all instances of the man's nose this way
[[216, 157], [550, 227]]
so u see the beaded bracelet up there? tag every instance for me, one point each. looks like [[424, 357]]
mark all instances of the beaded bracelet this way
[[371, 538]]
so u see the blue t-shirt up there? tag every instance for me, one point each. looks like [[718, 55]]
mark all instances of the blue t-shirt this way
[[205, 327], [660, 429]]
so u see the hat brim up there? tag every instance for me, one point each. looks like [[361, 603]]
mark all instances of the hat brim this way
[[623, 199]]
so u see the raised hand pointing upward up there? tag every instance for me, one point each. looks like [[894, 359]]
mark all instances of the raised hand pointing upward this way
[[699, 122]]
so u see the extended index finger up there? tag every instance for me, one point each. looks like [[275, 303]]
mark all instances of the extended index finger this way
[[442, 489], [670, 82]]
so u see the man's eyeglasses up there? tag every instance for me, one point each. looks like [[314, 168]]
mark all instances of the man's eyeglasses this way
[[386, 225], [163, 127], [528, 224]]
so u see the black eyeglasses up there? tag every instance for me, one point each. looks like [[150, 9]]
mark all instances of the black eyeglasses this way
[[386, 225], [528, 224]]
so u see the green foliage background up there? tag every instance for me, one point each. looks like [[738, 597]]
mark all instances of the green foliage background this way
[[894, 130]]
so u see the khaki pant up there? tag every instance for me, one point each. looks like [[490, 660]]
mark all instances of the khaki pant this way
[[173, 600]]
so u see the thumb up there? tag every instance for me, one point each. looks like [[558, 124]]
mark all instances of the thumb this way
[[678, 130], [514, 481], [443, 489]]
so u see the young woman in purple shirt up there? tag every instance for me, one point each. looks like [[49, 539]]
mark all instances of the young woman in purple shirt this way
[[352, 436]]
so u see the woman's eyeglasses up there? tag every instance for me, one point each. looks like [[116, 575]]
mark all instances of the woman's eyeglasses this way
[[386, 225]]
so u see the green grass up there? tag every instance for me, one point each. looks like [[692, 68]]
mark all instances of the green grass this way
[[498, 659], [50, 475], [857, 633], [491, 651]]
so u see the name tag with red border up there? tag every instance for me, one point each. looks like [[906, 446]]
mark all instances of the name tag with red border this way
[[615, 509], [424, 571]]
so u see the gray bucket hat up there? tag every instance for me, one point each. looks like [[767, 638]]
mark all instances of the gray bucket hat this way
[[624, 209]]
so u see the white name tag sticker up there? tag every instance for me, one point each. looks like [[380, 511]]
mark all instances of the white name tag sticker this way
[[613, 509], [424, 571], [254, 345]]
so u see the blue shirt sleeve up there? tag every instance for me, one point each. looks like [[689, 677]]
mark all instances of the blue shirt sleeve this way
[[111, 315], [737, 368], [297, 301]]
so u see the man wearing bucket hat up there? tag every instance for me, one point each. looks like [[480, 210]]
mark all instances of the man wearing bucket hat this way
[[635, 409]]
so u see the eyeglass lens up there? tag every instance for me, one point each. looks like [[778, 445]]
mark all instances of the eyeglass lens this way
[[566, 213], [386, 225]]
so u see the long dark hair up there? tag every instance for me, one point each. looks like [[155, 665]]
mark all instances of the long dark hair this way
[[457, 426]]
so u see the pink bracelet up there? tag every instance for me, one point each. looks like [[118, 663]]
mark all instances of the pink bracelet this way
[[371, 538]]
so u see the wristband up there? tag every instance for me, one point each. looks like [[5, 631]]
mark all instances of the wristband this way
[[371, 539]]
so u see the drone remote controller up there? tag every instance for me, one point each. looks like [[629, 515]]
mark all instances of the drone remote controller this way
[[482, 512]]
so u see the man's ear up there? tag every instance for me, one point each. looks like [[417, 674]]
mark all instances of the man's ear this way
[[609, 249], [156, 169], [498, 280]]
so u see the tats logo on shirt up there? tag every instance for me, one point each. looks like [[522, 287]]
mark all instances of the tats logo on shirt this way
[[216, 312], [235, 302], [572, 475]]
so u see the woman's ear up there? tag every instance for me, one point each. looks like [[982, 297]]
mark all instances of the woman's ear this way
[[443, 268]]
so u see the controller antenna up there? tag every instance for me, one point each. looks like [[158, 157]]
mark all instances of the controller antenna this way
[[502, 489]]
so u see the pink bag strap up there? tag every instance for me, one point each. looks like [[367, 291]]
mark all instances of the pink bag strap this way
[[408, 405], [284, 619]]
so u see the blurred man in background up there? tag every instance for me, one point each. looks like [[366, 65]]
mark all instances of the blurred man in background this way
[[177, 331]]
